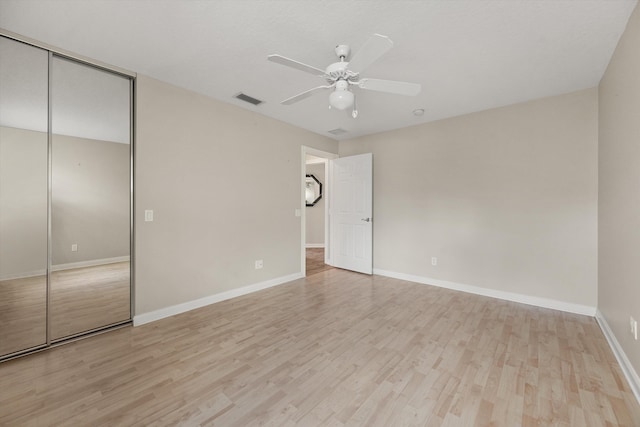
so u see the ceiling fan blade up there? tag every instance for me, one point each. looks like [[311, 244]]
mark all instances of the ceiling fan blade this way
[[373, 49], [279, 59], [305, 94], [390, 86]]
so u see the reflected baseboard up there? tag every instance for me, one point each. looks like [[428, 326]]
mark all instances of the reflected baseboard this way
[[61, 267], [23, 275], [314, 245], [89, 263]]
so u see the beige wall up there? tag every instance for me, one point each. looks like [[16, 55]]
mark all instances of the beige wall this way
[[315, 214], [506, 198], [619, 192], [224, 184]]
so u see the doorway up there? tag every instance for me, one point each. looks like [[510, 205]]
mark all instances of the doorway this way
[[314, 249]]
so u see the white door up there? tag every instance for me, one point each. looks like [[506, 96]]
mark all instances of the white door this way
[[350, 213]]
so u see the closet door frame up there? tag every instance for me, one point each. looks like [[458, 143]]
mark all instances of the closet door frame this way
[[131, 76]]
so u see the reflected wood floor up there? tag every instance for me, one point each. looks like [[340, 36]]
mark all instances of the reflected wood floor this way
[[23, 313], [81, 299], [90, 297], [315, 261], [336, 348]]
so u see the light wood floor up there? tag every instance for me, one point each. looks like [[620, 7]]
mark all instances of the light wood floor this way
[[336, 348], [82, 299], [315, 261]]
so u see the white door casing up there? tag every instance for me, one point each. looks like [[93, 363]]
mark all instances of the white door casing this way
[[351, 212]]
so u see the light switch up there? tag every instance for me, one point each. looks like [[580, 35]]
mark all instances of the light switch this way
[[148, 215], [298, 212]]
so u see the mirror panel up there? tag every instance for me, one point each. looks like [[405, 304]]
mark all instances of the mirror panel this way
[[23, 196], [90, 199]]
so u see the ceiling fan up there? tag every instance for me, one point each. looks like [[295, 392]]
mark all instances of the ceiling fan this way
[[341, 75]]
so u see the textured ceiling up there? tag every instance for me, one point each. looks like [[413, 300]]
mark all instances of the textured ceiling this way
[[469, 55]]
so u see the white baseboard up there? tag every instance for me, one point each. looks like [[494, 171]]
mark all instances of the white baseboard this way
[[89, 263], [509, 296], [314, 245], [623, 360], [141, 319], [24, 275]]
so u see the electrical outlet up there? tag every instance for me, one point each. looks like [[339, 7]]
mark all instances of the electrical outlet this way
[[434, 260], [74, 247], [259, 264]]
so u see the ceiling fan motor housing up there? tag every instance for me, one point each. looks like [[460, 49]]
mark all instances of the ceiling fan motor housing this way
[[338, 71]]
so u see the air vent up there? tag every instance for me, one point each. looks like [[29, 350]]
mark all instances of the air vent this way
[[246, 98], [338, 131]]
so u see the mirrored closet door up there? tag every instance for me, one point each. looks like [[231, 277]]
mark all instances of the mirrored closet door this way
[[65, 198], [90, 193]]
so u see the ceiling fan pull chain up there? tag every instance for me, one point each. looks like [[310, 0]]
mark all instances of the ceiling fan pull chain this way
[[354, 113]]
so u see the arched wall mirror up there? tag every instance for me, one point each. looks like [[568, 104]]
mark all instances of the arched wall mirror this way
[[312, 190], [65, 198]]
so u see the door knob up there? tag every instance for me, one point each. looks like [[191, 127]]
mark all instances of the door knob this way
[[366, 219]]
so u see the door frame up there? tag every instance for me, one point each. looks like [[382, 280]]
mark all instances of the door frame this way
[[303, 204]]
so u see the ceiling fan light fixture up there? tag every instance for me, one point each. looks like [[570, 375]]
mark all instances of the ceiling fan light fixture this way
[[341, 98]]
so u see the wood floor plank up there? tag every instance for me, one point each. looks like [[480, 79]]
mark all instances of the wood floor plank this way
[[336, 348]]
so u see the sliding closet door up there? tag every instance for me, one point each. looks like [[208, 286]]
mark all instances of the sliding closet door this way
[[90, 199], [23, 196]]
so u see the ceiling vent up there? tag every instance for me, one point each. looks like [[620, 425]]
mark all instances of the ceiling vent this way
[[246, 98], [338, 131]]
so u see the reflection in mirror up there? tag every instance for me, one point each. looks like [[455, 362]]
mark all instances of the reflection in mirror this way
[[23, 196], [312, 190], [90, 196]]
